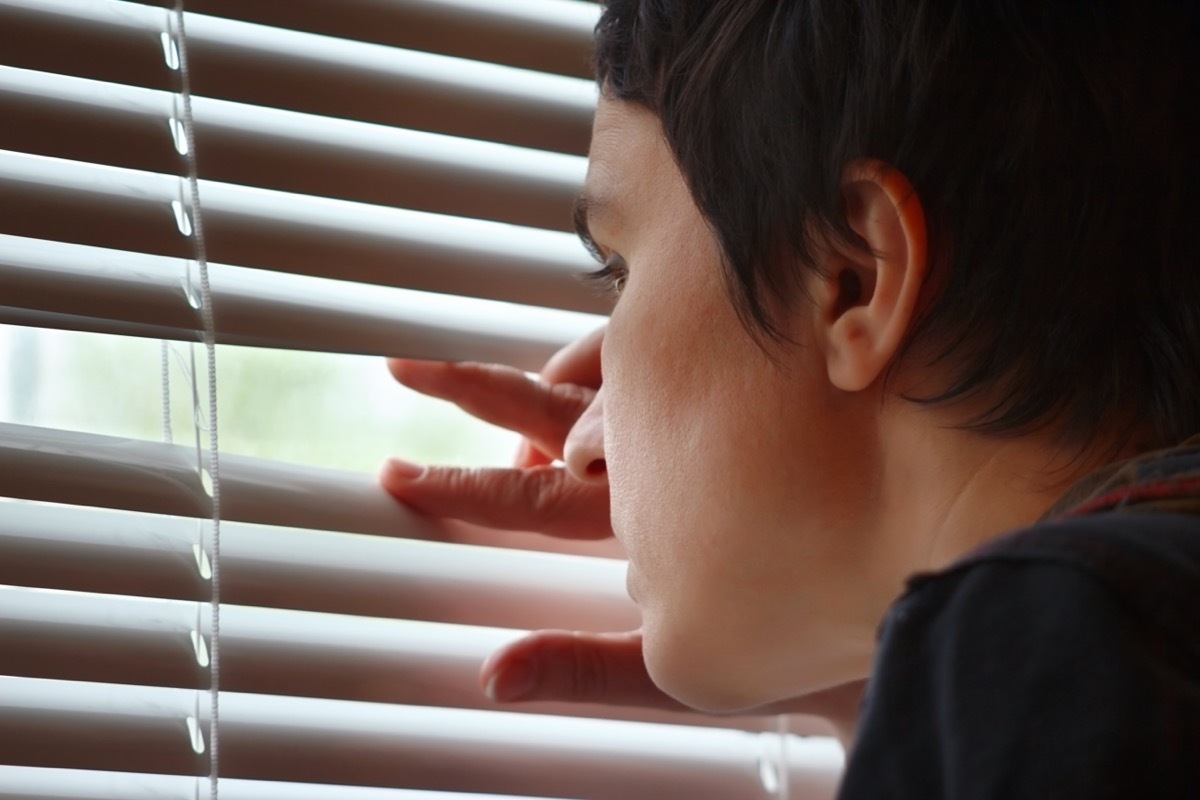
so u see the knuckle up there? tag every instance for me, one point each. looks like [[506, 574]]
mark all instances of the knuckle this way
[[544, 495], [481, 386], [491, 496], [589, 673], [478, 372], [489, 375], [576, 359], [460, 482], [567, 401], [537, 493]]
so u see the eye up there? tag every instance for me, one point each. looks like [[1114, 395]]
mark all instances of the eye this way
[[611, 277]]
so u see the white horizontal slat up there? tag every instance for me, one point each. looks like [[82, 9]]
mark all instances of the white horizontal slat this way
[[61, 466], [322, 236], [102, 726], [107, 638], [143, 625], [107, 551], [40, 783], [110, 472], [55, 284], [96, 97], [138, 629], [383, 84], [546, 35], [267, 738], [130, 288], [307, 153]]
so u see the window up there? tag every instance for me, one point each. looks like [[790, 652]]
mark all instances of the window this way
[[375, 177]]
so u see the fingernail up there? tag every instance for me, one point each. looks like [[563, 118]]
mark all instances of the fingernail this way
[[405, 470], [513, 683]]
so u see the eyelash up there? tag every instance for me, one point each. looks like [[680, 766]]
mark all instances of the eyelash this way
[[611, 277]]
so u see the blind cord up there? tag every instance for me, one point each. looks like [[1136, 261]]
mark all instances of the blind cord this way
[[165, 359], [206, 311]]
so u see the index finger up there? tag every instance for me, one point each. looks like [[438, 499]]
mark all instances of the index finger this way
[[578, 362], [541, 412]]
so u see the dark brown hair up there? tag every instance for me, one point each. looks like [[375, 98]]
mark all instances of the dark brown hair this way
[[1053, 146]]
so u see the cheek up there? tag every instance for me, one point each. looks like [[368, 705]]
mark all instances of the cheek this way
[[654, 360], [644, 422], [681, 430], [724, 472]]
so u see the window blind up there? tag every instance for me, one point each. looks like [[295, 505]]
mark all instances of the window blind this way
[[376, 177]]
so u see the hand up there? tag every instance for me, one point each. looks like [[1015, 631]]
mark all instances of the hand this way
[[577, 364], [571, 666], [534, 496]]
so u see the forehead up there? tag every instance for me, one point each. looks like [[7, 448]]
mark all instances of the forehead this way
[[628, 155]]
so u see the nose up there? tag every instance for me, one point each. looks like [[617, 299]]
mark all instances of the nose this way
[[583, 452]]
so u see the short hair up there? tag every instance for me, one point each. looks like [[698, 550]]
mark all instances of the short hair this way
[[1053, 146]]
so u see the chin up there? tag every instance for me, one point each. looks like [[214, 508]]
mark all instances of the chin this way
[[703, 695], [695, 678], [723, 671]]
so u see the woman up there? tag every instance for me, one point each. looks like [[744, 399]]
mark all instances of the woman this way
[[896, 279]]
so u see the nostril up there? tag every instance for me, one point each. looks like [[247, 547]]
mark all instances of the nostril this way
[[597, 468]]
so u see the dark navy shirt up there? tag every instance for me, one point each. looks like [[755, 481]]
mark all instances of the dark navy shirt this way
[[1060, 661]]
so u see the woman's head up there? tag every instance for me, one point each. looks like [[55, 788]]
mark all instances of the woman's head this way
[[819, 210], [731, 467]]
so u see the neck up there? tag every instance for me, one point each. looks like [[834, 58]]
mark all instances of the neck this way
[[948, 491], [944, 492], [838, 706]]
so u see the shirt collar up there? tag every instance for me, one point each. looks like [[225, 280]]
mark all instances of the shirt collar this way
[[1166, 479]]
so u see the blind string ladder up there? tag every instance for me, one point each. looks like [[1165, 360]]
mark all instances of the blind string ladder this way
[[193, 224]]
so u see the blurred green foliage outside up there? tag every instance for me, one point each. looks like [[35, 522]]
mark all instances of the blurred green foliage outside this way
[[326, 410]]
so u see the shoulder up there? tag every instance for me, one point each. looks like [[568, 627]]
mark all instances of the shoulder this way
[[1114, 567], [1061, 661]]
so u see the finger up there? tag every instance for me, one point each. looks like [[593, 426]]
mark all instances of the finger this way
[[609, 668], [544, 499], [578, 362], [503, 396], [529, 456], [574, 667]]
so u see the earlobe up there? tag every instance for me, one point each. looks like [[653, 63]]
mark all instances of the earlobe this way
[[868, 295]]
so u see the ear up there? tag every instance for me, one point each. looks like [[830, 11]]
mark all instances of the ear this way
[[867, 298]]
